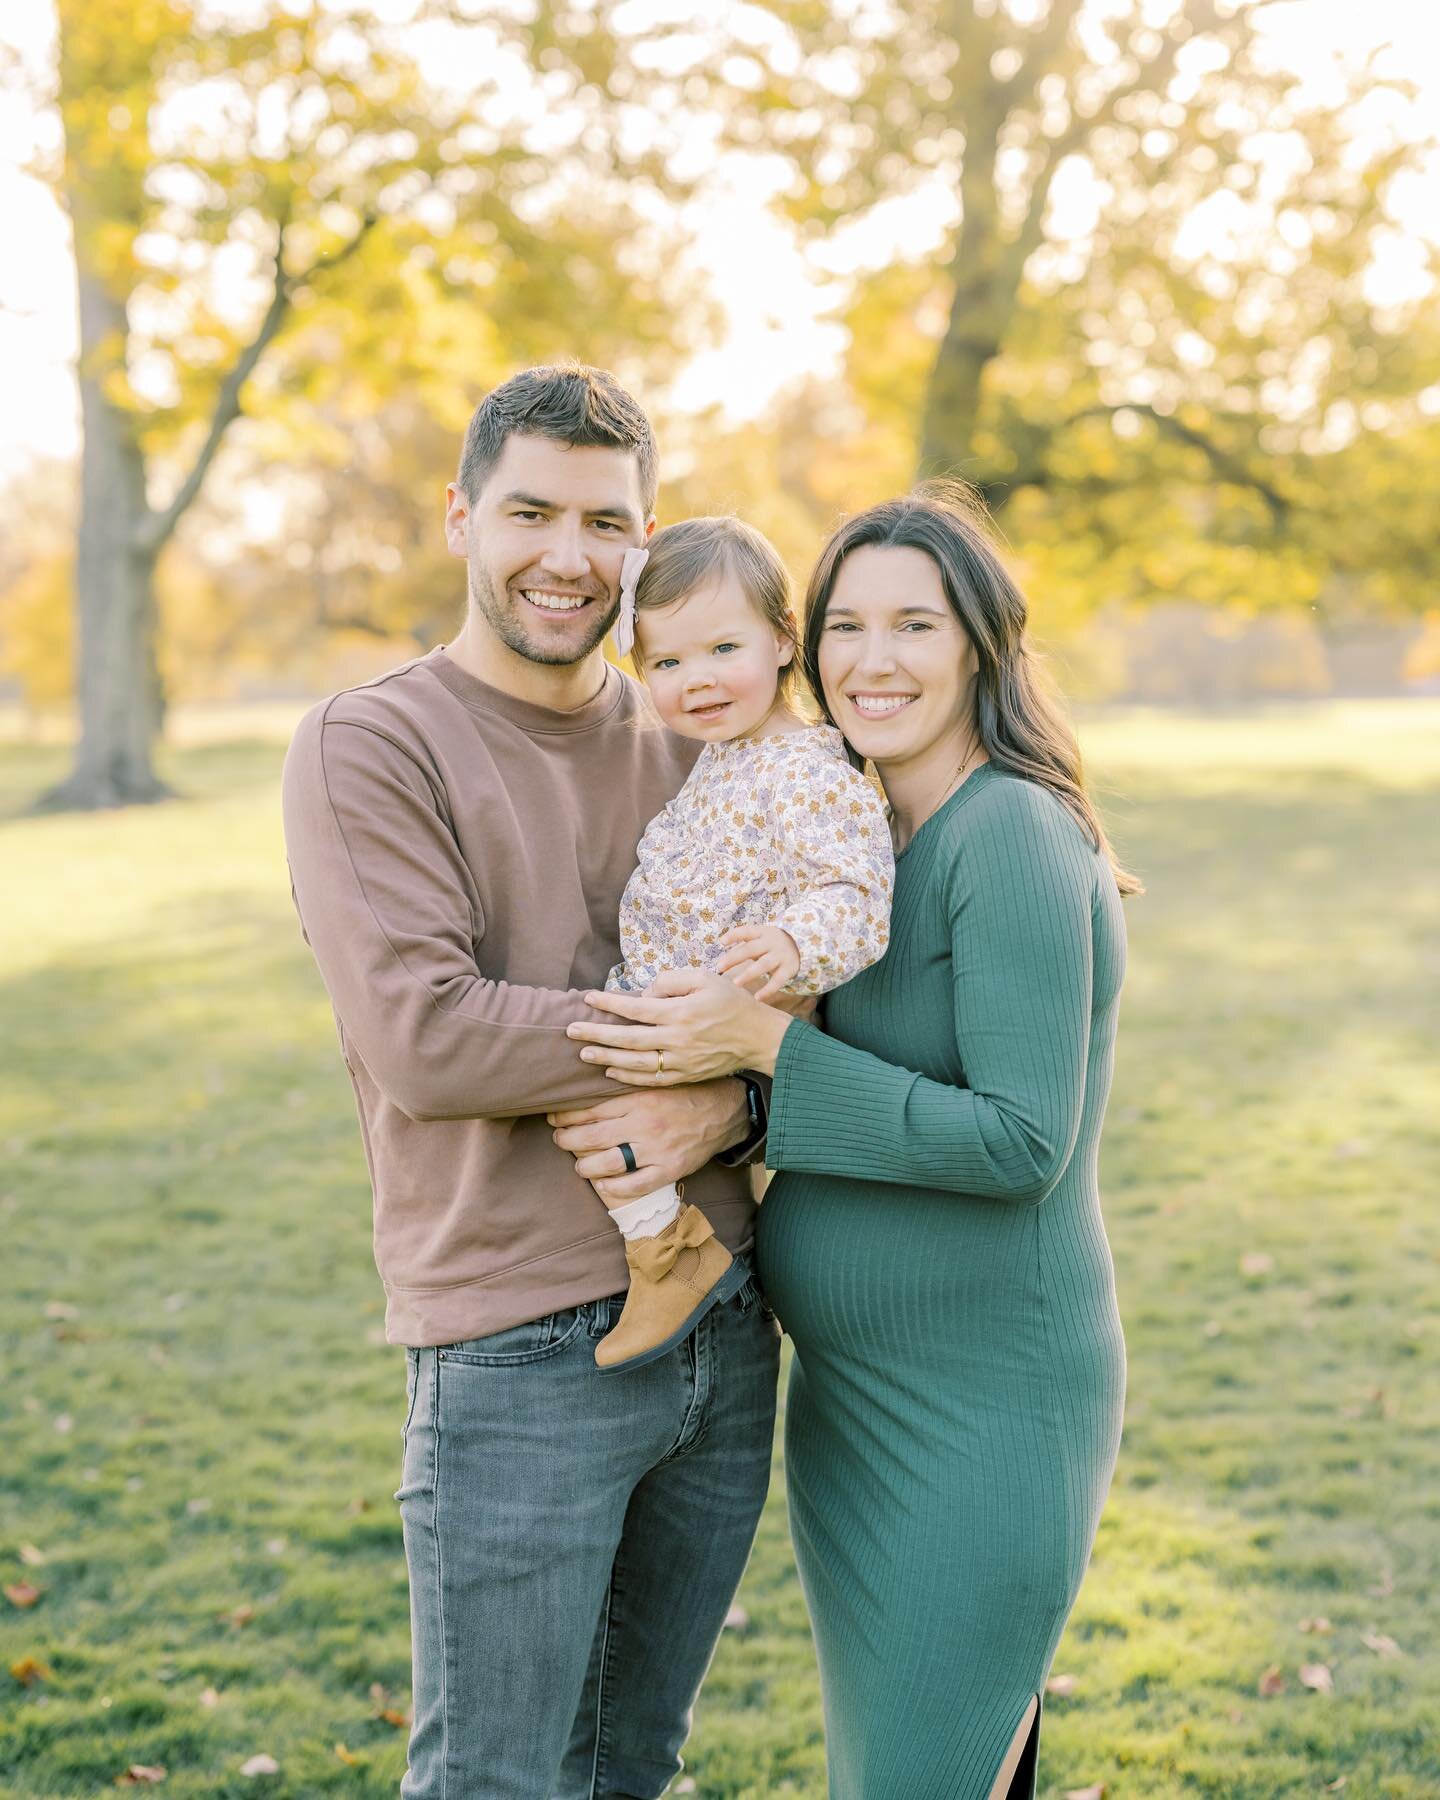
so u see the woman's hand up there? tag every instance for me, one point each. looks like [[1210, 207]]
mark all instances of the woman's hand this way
[[687, 1026]]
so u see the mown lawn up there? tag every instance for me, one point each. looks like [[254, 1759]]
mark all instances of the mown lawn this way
[[200, 1424]]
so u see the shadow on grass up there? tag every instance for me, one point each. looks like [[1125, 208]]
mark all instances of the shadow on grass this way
[[205, 1431]]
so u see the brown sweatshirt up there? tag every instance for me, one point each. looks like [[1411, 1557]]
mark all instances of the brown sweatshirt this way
[[457, 858]]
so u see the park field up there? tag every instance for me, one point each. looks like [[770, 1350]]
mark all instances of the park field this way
[[200, 1555]]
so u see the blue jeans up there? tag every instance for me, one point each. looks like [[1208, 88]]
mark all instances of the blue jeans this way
[[574, 1540]]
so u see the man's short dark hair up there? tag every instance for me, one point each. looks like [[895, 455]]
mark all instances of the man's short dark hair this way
[[569, 403]]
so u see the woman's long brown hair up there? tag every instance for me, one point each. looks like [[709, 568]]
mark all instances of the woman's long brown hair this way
[[1021, 722]]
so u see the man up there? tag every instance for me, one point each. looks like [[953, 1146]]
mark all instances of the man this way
[[459, 833]]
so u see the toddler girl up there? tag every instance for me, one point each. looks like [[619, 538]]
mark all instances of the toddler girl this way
[[772, 865]]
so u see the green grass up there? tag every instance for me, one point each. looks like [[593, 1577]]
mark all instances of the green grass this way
[[216, 1427]]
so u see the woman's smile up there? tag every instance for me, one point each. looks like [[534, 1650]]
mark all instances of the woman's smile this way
[[879, 706]]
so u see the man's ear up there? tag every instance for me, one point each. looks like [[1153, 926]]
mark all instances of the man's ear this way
[[457, 517]]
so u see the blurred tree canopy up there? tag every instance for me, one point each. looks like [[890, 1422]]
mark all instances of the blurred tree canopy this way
[[406, 207], [1146, 323], [1198, 392]]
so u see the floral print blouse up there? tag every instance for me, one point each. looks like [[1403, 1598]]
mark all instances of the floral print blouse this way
[[767, 831]]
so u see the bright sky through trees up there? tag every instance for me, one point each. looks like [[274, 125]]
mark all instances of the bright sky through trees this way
[[776, 326]]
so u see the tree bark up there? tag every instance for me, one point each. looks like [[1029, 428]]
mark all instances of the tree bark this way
[[117, 677], [952, 397]]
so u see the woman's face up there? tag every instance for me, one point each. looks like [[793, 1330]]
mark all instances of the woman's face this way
[[898, 668]]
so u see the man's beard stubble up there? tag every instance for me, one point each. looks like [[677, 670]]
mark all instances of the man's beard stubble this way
[[503, 617]]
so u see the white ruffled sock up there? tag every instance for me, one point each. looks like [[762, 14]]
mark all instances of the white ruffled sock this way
[[650, 1214]]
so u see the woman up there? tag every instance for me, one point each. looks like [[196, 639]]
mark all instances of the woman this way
[[933, 1242]]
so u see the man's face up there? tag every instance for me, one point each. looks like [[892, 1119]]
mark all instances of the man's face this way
[[543, 541]]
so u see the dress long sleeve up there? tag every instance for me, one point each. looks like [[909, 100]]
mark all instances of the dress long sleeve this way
[[1018, 893]]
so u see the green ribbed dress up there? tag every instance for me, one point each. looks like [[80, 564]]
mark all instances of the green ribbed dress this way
[[934, 1247]]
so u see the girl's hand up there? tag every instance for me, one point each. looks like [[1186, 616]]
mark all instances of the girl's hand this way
[[761, 958], [688, 1026]]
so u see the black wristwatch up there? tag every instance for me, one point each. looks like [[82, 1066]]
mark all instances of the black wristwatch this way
[[758, 1117]]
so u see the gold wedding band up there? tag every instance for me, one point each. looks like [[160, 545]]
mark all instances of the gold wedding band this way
[[659, 1062]]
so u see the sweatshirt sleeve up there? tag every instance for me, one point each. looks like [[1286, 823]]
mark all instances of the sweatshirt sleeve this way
[[385, 906], [1017, 896], [839, 869]]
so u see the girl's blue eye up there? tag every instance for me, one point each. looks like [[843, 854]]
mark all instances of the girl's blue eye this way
[[720, 647], [663, 662]]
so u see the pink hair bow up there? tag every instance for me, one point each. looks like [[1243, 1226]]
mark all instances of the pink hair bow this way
[[631, 564]]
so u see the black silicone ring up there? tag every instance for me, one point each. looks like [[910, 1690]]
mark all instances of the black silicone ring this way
[[630, 1163]]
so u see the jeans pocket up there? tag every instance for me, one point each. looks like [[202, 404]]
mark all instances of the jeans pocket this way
[[412, 1383], [534, 1341]]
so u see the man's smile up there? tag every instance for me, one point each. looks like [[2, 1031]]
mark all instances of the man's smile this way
[[555, 601]]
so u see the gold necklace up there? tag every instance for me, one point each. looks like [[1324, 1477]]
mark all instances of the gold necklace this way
[[955, 780], [948, 789]]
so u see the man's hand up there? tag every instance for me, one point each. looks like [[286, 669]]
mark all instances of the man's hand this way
[[672, 1132], [760, 958]]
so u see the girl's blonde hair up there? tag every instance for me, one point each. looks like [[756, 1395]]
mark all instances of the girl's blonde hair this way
[[684, 557]]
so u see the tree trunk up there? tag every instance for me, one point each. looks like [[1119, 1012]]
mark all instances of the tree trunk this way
[[118, 678], [952, 401]]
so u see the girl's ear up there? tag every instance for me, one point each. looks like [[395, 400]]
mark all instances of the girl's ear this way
[[786, 648]]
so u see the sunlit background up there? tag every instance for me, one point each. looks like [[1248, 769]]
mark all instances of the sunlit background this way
[[1186, 342], [1160, 280]]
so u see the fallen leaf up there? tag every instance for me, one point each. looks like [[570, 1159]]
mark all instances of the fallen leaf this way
[[1212, 1328], [1334, 1787], [260, 1765], [378, 1694], [348, 1757], [22, 1593], [393, 1716], [209, 1697], [1380, 1644], [64, 1423], [736, 1619], [1062, 1686], [27, 1671], [32, 1557], [61, 1309], [1317, 1677], [1094, 1792], [1271, 1682], [1319, 1625], [1256, 1262], [1235, 1716], [241, 1615], [141, 1775], [360, 1504]]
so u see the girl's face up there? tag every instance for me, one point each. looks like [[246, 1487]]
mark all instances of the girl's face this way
[[712, 662], [897, 666]]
